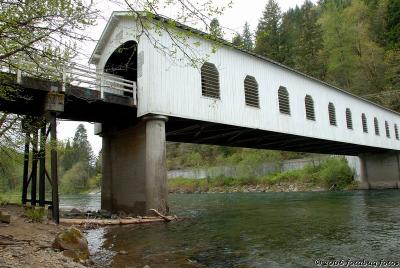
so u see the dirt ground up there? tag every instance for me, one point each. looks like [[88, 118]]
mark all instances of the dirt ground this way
[[28, 244]]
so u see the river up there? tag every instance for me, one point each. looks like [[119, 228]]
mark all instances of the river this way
[[256, 230]]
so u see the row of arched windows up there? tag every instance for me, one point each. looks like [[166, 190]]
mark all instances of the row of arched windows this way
[[210, 88]]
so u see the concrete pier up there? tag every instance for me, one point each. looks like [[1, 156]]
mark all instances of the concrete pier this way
[[134, 167], [380, 170]]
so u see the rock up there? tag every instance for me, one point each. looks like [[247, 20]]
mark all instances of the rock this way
[[104, 213], [121, 214], [123, 252], [75, 210], [5, 217], [73, 244]]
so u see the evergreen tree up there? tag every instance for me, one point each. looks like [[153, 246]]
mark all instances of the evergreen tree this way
[[215, 29], [289, 34], [244, 40], [309, 44], [237, 40], [267, 35], [247, 37], [393, 23], [68, 157], [81, 146]]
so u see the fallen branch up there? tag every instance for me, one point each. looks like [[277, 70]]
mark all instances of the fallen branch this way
[[165, 218]]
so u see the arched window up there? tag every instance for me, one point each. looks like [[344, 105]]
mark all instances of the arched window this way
[[332, 114], [396, 131], [364, 123], [309, 103], [283, 98], [376, 125], [349, 119], [210, 81], [387, 129], [251, 91]]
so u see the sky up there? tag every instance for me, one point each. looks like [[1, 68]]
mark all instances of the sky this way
[[233, 19]]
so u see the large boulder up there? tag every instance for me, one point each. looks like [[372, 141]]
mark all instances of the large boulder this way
[[73, 244]]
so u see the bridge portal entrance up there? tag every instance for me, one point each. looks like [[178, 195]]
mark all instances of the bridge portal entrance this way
[[123, 63]]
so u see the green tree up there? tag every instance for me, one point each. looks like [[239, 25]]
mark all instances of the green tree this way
[[248, 43], [44, 29], [244, 40], [215, 29], [393, 23], [289, 35], [68, 159], [82, 150], [267, 35], [237, 40], [309, 43]]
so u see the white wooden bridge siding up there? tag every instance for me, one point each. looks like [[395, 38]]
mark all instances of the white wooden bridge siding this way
[[171, 89]]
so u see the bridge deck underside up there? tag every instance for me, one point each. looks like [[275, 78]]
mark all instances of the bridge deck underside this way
[[80, 104], [191, 131]]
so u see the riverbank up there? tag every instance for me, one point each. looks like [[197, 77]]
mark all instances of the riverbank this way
[[24, 243], [332, 174]]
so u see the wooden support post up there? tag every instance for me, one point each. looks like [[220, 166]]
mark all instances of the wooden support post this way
[[34, 167], [26, 169], [42, 166], [54, 173]]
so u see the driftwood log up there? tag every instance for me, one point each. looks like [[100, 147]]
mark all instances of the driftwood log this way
[[121, 221]]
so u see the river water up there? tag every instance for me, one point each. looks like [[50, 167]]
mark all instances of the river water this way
[[256, 230]]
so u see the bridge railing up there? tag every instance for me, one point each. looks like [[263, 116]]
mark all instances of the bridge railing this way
[[76, 75]]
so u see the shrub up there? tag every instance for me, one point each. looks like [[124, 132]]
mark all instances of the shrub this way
[[34, 214], [336, 171]]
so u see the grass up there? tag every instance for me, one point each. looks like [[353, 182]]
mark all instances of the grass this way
[[10, 198], [333, 171], [35, 214]]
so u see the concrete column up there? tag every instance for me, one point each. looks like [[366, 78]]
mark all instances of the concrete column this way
[[380, 170], [106, 182], [364, 184], [134, 167], [156, 168]]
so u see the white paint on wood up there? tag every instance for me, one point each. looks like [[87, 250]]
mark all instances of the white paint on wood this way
[[174, 89]]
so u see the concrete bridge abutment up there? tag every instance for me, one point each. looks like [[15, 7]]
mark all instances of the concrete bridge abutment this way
[[134, 167], [380, 170]]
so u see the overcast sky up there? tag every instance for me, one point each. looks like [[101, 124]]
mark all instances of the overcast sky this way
[[233, 18]]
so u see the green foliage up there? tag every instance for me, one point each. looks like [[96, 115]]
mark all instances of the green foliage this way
[[95, 181], [34, 214], [215, 29], [75, 179], [244, 40], [352, 44], [182, 155], [267, 35], [393, 23], [333, 171]]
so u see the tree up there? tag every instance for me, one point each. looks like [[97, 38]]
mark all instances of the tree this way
[[68, 156], [237, 40], [393, 23], [267, 35], [309, 43], [244, 40], [289, 35], [44, 29], [215, 29], [247, 37], [81, 147]]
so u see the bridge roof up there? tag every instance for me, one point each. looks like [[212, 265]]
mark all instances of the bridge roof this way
[[113, 21]]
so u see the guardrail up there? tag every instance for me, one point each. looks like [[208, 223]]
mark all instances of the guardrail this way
[[76, 75]]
